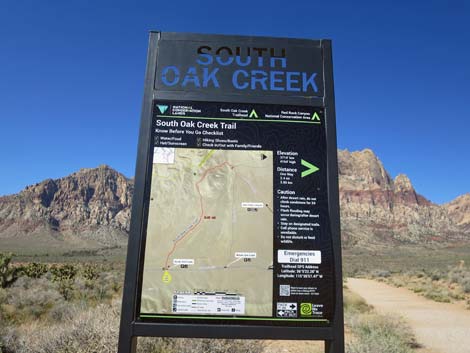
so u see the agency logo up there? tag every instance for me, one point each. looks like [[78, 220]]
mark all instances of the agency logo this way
[[306, 309], [162, 108]]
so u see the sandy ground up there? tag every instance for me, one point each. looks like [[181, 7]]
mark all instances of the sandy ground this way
[[440, 327], [294, 347]]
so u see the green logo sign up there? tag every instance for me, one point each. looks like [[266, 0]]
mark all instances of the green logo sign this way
[[306, 309], [162, 108]]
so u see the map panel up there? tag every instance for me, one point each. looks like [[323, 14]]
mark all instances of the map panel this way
[[209, 246]]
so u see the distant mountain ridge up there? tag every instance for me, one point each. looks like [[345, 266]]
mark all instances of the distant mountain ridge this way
[[94, 205], [376, 208], [459, 211], [91, 203]]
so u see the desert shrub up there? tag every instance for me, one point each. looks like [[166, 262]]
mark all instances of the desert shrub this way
[[455, 276], [63, 272], [64, 276], [66, 289], [465, 283], [90, 272], [34, 270], [379, 334], [397, 282], [90, 331], [353, 303], [3, 296], [186, 345], [460, 275], [456, 296], [8, 273], [438, 295], [30, 298], [436, 275], [64, 311], [420, 274], [104, 288], [381, 273], [96, 330], [108, 285]]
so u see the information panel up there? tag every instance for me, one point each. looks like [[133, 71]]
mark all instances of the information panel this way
[[251, 240], [234, 230]]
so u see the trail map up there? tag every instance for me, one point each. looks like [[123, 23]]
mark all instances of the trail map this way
[[209, 246]]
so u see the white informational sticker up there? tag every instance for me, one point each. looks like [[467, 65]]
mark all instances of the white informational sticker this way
[[299, 256], [284, 290], [245, 255], [218, 304], [163, 155], [183, 261], [252, 204], [286, 310]]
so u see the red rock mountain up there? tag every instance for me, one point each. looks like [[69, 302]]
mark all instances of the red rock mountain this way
[[91, 203], [376, 208], [459, 211], [94, 205]]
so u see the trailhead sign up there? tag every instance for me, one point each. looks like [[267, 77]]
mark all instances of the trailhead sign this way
[[235, 219]]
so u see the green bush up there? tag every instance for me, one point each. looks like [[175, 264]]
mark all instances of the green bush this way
[[380, 334], [438, 295], [64, 276], [63, 272], [354, 303], [8, 273], [90, 272], [34, 270]]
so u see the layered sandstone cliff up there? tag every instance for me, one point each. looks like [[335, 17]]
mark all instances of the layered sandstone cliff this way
[[377, 208], [94, 204]]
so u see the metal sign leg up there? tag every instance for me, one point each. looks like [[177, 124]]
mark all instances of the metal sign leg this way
[[333, 347], [127, 345]]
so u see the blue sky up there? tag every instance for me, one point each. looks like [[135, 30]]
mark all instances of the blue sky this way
[[71, 80]]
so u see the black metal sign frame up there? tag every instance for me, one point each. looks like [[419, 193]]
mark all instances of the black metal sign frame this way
[[131, 325]]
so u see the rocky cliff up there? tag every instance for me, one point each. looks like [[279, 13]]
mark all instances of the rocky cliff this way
[[459, 211], [376, 208], [94, 204], [91, 203]]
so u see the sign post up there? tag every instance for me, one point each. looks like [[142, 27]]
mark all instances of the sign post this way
[[235, 229]]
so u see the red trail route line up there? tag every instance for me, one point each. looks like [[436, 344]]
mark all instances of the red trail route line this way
[[201, 216]]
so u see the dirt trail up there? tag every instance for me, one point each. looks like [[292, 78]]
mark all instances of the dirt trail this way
[[444, 328]]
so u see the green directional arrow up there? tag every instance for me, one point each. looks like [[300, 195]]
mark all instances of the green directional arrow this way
[[253, 114], [315, 117], [311, 168]]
